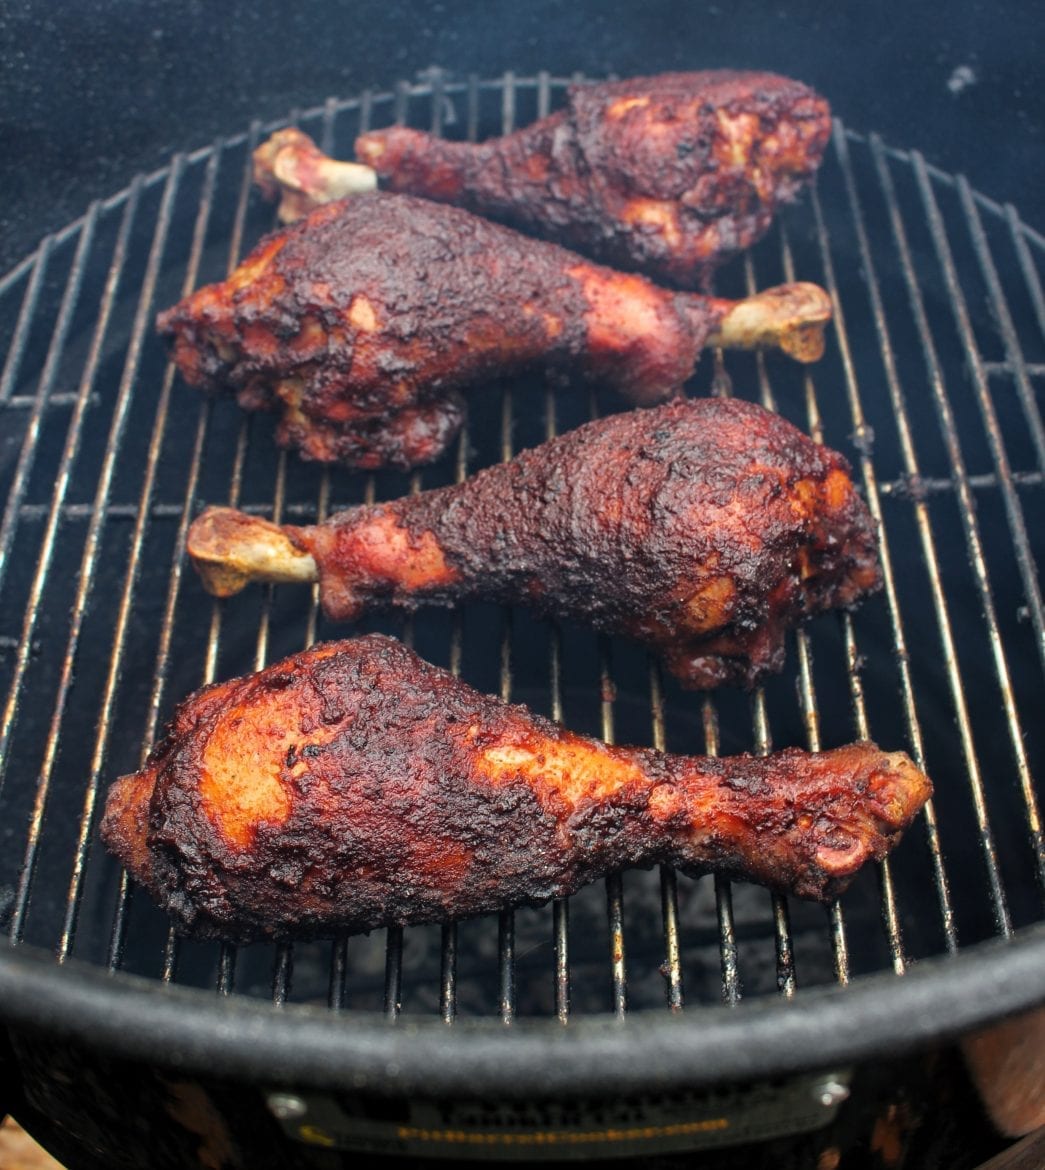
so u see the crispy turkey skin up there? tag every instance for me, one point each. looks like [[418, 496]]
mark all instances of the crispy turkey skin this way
[[704, 528], [363, 322], [669, 175], [354, 786]]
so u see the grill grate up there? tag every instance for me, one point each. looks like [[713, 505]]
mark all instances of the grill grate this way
[[930, 385]]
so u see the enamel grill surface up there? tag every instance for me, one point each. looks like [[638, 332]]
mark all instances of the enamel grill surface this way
[[929, 386]]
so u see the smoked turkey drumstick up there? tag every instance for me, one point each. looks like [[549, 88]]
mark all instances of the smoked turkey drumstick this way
[[364, 320], [668, 175], [705, 528], [354, 786]]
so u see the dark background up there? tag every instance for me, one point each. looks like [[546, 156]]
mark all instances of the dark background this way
[[92, 92]]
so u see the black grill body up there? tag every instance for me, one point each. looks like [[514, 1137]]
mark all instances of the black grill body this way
[[668, 986]]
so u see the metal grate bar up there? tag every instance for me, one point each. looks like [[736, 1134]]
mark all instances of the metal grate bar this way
[[25, 463], [930, 557], [26, 401], [40, 400], [243, 199], [448, 972], [435, 125], [508, 103], [233, 500], [669, 897], [785, 958], [322, 512], [226, 980], [506, 964], [92, 544], [145, 511], [614, 883], [283, 962], [1030, 272], [890, 916], [326, 137], [920, 486], [901, 654], [338, 974], [282, 973], [400, 103], [1035, 369], [261, 647], [30, 299], [544, 94], [1013, 509], [393, 997], [226, 967], [114, 202], [472, 108], [1003, 316], [727, 938], [561, 906], [904, 486]]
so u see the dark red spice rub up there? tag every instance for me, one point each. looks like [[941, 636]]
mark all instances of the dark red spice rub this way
[[704, 528], [354, 786], [669, 175], [362, 322]]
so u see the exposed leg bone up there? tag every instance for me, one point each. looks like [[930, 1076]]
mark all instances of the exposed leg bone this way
[[789, 317], [231, 549], [290, 167]]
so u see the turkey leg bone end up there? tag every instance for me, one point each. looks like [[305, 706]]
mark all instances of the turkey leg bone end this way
[[230, 549]]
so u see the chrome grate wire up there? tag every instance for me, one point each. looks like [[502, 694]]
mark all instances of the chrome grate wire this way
[[930, 386]]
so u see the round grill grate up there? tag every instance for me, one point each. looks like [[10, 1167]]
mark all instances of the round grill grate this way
[[929, 385]]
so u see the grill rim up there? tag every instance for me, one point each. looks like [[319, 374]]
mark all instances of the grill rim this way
[[193, 1031]]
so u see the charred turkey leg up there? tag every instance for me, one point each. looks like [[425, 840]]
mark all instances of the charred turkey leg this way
[[705, 528], [362, 322], [668, 175], [355, 786]]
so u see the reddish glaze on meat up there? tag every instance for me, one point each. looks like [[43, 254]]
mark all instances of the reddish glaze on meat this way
[[704, 528], [669, 175], [354, 786], [362, 323]]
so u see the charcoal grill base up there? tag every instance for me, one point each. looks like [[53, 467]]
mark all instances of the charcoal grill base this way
[[918, 1112]]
